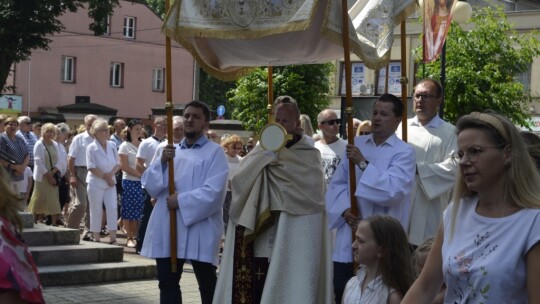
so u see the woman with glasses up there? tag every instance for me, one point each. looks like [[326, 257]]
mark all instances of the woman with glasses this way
[[232, 145], [488, 247], [102, 162], [364, 128]]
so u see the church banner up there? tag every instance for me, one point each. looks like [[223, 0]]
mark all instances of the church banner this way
[[437, 18]]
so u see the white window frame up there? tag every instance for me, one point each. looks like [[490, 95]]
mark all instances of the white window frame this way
[[129, 27], [108, 25], [116, 77], [158, 79], [525, 78], [68, 69]]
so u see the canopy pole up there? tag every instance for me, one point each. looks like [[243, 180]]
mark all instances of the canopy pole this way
[[169, 110], [404, 81], [270, 106], [349, 110]]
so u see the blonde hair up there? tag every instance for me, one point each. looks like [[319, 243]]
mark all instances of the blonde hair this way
[[9, 201], [48, 127], [522, 178], [363, 124], [305, 124], [231, 140], [96, 124]]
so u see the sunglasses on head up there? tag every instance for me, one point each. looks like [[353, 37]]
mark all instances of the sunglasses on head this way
[[331, 122]]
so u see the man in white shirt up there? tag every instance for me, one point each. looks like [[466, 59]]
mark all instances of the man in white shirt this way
[[385, 167], [178, 135], [331, 146], [77, 178], [119, 125], [145, 154], [434, 141]]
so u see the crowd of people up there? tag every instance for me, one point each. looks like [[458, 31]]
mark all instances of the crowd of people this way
[[450, 216]]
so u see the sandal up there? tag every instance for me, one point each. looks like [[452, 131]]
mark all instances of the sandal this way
[[131, 243]]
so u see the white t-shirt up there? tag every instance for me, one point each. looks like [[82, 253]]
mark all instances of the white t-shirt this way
[[485, 261], [129, 149], [376, 292], [78, 146], [331, 156], [147, 149]]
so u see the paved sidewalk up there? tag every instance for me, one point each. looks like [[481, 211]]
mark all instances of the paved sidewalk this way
[[134, 292]]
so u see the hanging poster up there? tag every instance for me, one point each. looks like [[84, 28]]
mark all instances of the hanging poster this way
[[394, 86], [358, 79], [10, 104]]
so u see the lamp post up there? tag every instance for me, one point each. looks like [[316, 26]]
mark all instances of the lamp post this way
[[461, 12]]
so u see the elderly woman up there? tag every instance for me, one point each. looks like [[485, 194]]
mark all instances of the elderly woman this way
[[488, 247], [45, 199], [15, 154], [132, 197], [61, 138], [102, 163]]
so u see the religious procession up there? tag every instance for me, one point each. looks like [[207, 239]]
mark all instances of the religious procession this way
[[396, 208]]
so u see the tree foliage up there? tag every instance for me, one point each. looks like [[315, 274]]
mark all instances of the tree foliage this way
[[214, 91], [481, 66], [308, 84], [27, 25]]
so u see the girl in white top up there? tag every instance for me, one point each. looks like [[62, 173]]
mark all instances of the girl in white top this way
[[385, 273], [102, 163], [132, 199], [232, 145], [487, 250]]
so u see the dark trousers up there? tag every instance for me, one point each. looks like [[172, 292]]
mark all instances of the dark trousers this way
[[169, 283], [343, 272], [143, 223]]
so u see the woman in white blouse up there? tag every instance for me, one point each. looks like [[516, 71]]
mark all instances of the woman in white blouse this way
[[102, 162], [47, 162]]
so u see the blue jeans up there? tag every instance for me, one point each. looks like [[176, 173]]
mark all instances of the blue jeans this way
[[169, 283]]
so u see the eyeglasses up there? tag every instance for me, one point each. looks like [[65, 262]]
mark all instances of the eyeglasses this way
[[102, 130], [331, 122], [365, 133], [13, 124], [424, 96], [472, 154]]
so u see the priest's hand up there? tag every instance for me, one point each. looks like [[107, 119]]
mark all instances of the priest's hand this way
[[172, 201], [168, 153]]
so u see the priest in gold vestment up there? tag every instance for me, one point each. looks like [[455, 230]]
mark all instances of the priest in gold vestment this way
[[280, 251]]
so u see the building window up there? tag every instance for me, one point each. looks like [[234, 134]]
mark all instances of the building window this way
[[68, 69], [117, 75], [108, 26], [394, 84], [525, 79], [157, 79], [129, 27]]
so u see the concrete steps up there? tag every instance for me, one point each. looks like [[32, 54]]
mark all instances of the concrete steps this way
[[63, 259]]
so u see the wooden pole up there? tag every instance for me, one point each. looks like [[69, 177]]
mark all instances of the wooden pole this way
[[349, 110], [404, 81], [169, 110], [270, 106]]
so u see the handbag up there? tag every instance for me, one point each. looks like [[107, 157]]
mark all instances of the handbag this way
[[57, 177]]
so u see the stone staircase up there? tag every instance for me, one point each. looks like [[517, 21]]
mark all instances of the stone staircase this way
[[63, 259]]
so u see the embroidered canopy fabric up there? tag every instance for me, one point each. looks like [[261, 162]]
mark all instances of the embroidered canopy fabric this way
[[228, 37]]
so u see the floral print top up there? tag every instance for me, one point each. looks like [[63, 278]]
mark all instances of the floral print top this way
[[18, 272], [484, 260]]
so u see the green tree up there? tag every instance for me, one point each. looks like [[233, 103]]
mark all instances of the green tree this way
[[158, 6], [481, 66], [27, 25], [214, 91], [308, 84]]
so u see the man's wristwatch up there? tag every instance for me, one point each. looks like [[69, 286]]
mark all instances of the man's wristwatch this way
[[363, 165]]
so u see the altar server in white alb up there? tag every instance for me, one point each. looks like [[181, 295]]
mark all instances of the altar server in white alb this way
[[200, 174], [385, 168], [434, 141]]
